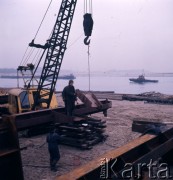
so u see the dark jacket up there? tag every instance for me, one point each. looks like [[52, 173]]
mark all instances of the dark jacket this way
[[69, 94], [53, 141]]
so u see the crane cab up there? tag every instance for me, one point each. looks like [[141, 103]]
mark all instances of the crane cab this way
[[22, 100]]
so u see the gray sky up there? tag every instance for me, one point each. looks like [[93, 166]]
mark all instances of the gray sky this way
[[127, 34]]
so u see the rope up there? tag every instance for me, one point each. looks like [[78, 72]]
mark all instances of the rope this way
[[91, 6], [74, 42], [38, 57], [89, 72], [88, 9], [29, 55], [43, 19], [84, 6], [24, 55], [35, 55]]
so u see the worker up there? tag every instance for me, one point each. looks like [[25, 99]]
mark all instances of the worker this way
[[69, 98], [53, 140]]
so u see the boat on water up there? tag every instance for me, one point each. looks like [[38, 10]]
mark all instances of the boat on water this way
[[141, 79], [70, 76]]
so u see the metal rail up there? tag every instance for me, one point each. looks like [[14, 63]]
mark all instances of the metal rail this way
[[35, 118], [141, 150]]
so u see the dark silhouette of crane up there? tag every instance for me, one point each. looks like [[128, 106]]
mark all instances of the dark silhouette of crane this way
[[56, 47]]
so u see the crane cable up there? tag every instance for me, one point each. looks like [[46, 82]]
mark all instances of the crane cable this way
[[88, 6], [89, 69], [28, 56], [25, 61], [43, 19], [88, 25], [24, 55]]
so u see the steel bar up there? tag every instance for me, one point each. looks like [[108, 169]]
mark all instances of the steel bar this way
[[93, 167], [141, 150], [35, 118]]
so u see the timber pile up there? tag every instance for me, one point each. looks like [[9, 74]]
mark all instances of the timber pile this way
[[150, 97], [156, 95], [86, 132], [82, 134]]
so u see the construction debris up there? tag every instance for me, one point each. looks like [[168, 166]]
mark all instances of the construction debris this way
[[150, 97], [156, 95]]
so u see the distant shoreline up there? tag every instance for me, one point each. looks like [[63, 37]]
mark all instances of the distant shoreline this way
[[101, 73], [70, 76]]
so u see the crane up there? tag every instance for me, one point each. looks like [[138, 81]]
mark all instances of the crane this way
[[56, 46], [55, 53], [43, 96]]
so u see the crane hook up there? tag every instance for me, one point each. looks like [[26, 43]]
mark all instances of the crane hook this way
[[86, 41]]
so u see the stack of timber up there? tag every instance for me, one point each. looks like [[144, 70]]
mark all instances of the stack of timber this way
[[83, 134], [150, 97], [155, 94]]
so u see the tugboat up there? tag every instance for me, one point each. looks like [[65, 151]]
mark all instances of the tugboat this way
[[141, 79]]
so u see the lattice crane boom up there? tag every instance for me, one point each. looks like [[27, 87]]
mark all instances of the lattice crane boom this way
[[55, 53]]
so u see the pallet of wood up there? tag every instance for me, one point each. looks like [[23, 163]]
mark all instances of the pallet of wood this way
[[82, 134]]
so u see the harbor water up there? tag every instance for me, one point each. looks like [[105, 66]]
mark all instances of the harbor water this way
[[101, 83]]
